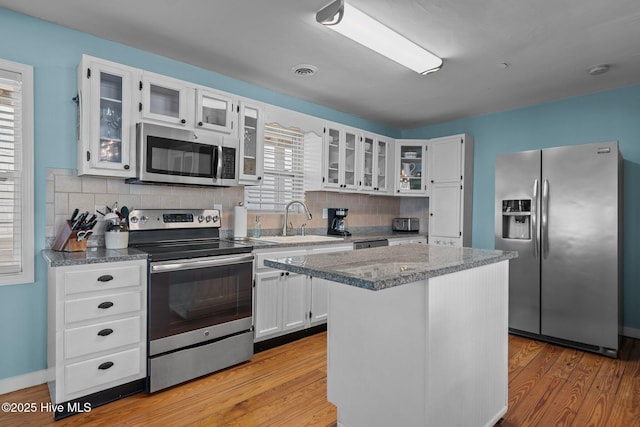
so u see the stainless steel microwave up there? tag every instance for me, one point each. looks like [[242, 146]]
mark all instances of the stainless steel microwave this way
[[186, 157]]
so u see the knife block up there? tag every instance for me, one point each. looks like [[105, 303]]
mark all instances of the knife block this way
[[67, 240]]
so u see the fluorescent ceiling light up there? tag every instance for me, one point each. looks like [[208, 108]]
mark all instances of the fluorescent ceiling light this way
[[359, 27]]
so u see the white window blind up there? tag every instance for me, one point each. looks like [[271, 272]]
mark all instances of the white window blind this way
[[16, 173], [283, 179]]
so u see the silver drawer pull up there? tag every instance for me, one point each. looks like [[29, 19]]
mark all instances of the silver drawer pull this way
[[105, 278], [105, 305], [105, 332], [106, 365]]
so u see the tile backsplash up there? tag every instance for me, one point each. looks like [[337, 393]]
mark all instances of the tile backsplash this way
[[67, 191]]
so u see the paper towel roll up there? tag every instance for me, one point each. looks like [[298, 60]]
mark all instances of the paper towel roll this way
[[240, 221]]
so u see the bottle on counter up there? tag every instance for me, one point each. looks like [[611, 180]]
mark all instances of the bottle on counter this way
[[257, 227]]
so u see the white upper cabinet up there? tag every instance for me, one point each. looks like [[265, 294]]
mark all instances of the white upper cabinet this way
[[341, 158], [411, 167], [106, 132], [214, 111], [251, 152], [373, 164], [445, 159], [166, 100]]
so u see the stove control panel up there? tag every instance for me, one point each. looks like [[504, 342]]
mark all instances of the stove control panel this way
[[158, 219]]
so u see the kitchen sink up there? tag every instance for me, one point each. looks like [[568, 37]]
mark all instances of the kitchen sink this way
[[300, 239]]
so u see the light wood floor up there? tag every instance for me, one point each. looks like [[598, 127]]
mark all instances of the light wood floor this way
[[286, 386]]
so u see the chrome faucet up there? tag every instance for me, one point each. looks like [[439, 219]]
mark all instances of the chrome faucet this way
[[286, 214]]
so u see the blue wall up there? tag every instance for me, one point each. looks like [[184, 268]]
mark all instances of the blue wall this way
[[605, 116], [55, 52]]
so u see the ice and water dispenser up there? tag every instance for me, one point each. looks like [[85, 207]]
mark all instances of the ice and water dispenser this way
[[516, 219]]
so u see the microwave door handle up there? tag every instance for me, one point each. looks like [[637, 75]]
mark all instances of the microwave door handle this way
[[216, 161], [219, 164]]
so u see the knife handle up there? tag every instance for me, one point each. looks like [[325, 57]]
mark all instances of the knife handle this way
[[74, 214]]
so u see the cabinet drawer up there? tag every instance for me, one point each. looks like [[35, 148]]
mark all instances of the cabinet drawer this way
[[102, 370], [99, 278], [101, 306], [260, 257], [101, 336]]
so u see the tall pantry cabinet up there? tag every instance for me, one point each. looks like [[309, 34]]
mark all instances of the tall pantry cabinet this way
[[450, 162]]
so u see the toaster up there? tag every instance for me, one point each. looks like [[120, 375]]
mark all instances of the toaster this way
[[405, 224]]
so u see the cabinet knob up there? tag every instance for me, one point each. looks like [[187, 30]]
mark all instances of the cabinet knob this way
[[126, 167], [105, 278], [105, 365], [432, 181], [281, 273], [105, 332], [430, 214], [259, 178], [183, 121], [287, 273], [199, 123], [105, 305]]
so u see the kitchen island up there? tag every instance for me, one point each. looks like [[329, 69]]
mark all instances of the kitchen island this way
[[417, 334]]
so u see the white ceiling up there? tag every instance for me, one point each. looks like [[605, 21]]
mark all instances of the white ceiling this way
[[548, 44]]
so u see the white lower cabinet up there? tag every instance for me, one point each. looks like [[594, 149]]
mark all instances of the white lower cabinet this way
[[286, 302], [97, 327]]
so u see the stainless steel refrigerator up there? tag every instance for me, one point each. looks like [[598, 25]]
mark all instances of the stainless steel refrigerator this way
[[561, 209]]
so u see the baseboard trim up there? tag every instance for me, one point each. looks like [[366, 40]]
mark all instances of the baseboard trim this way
[[19, 382], [631, 332]]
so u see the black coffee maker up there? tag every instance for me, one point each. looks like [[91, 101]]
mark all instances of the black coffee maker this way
[[337, 222]]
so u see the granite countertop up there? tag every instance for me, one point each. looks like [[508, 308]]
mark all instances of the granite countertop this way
[[91, 256], [386, 267]]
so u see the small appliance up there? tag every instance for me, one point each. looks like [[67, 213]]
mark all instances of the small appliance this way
[[185, 157], [406, 224], [337, 222]]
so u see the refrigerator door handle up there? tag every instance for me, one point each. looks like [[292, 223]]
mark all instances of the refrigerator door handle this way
[[545, 219], [534, 219]]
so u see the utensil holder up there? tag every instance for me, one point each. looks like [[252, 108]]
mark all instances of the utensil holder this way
[[67, 240]]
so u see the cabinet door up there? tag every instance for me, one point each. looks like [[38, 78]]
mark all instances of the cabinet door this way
[[295, 301], [333, 143], [214, 111], [106, 133], [444, 211], [349, 164], [268, 304], [411, 167], [367, 163], [251, 144], [165, 99], [445, 159], [381, 159], [319, 291]]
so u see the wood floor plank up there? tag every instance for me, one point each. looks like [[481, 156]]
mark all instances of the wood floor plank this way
[[286, 386]]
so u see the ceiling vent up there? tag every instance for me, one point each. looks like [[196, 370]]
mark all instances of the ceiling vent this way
[[304, 70]]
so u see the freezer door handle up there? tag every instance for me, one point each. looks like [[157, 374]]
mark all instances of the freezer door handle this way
[[534, 219], [545, 219]]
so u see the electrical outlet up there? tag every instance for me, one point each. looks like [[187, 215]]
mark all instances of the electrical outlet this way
[[325, 213]]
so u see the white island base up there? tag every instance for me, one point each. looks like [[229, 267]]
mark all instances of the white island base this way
[[427, 353]]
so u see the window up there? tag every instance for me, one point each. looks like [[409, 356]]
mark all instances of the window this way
[[16, 173], [283, 179]]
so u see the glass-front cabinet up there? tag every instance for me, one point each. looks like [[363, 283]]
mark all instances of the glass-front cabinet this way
[[214, 111], [106, 134], [411, 167], [251, 130], [341, 158], [373, 160], [165, 99]]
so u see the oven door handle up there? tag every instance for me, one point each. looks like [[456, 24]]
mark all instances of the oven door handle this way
[[189, 264]]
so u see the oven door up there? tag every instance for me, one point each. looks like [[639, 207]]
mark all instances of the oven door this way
[[200, 299]]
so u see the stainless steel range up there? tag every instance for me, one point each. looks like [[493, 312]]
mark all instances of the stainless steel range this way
[[200, 294]]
